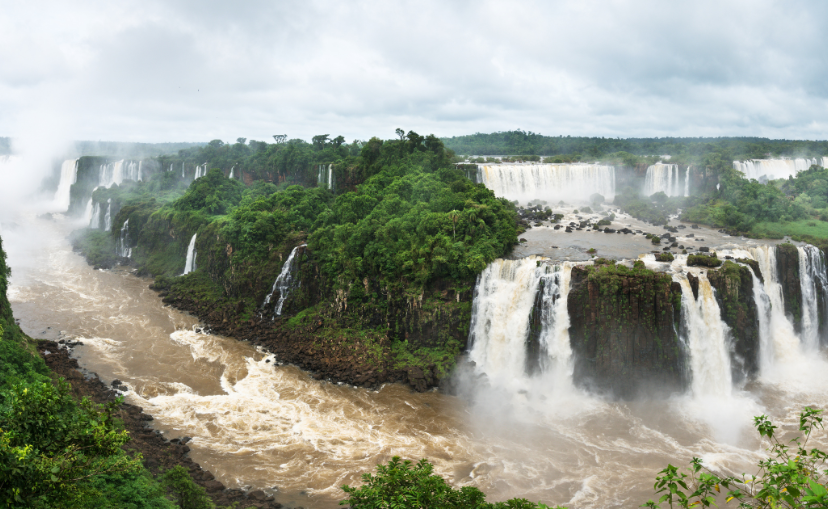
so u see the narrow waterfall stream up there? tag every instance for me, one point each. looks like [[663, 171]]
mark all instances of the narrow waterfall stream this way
[[190, 262], [259, 424]]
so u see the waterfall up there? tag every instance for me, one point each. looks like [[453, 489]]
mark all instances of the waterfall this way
[[110, 174], [330, 177], [201, 171], [814, 284], [95, 221], [108, 216], [182, 169], [763, 312], [231, 171], [123, 249], [284, 282], [665, 178], [68, 176], [706, 339], [506, 294], [525, 182], [171, 169], [190, 264], [87, 215], [775, 168], [781, 338]]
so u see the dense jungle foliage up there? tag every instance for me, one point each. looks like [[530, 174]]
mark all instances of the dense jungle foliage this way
[[520, 142]]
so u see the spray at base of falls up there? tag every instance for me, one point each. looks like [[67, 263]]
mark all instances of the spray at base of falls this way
[[665, 178], [68, 176], [548, 182], [284, 283], [190, 263], [123, 249]]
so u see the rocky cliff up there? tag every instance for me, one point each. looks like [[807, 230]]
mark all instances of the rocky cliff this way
[[623, 330], [787, 265]]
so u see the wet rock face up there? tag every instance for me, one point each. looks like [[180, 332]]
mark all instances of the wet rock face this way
[[734, 293], [787, 265], [623, 334]]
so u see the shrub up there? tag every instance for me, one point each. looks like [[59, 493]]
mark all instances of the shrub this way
[[399, 484], [665, 257], [703, 261]]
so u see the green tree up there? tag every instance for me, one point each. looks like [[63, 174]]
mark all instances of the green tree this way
[[51, 447]]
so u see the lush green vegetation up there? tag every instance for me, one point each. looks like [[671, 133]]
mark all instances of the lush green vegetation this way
[[404, 484]]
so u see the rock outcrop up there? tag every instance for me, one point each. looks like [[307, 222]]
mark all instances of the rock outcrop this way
[[623, 331], [787, 265]]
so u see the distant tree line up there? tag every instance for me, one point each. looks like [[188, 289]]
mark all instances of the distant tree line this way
[[520, 142]]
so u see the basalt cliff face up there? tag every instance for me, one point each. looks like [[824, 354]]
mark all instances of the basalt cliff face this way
[[787, 266], [623, 331]]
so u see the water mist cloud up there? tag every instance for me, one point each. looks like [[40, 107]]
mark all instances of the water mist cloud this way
[[190, 71]]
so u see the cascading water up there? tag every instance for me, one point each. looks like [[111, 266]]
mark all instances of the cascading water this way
[[525, 182], [68, 176], [200, 171], [814, 284], [190, 263], [665, 178], [781, 337], [330, 177], [124, 251], [687, 182], [775, 168], [233, 169], [763, 312], [110, 174], [108, 216], [285, 282], [95, 221], [87, 214], [706, 339], [506, 294]]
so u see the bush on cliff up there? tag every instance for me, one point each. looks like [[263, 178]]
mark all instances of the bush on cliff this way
[[701, 260]]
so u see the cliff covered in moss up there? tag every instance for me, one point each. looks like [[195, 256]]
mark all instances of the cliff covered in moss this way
[[623, 330]]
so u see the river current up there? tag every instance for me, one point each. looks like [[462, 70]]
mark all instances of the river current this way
[[258, 424]]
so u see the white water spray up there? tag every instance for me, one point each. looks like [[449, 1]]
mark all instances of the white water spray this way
[[813, 281], [124, 251]]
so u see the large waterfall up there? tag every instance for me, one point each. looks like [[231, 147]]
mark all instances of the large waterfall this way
[[504, 343], [551, 182], [95, 218], [200, 171], [666, 178], [779, 337], [777, 168], [119, 171], [190, 263], [706, 339], [68, 176], [284, 283]]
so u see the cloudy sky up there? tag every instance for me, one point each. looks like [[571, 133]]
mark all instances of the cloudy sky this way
[[198, 70]]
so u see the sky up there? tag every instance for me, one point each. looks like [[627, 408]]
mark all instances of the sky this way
[[153, 71]]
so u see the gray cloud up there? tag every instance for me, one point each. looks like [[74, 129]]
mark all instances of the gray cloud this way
[[160, 71]]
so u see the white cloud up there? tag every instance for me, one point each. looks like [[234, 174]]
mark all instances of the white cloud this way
[[184, 71]]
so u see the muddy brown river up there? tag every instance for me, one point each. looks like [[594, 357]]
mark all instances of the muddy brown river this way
[[262, 425]]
